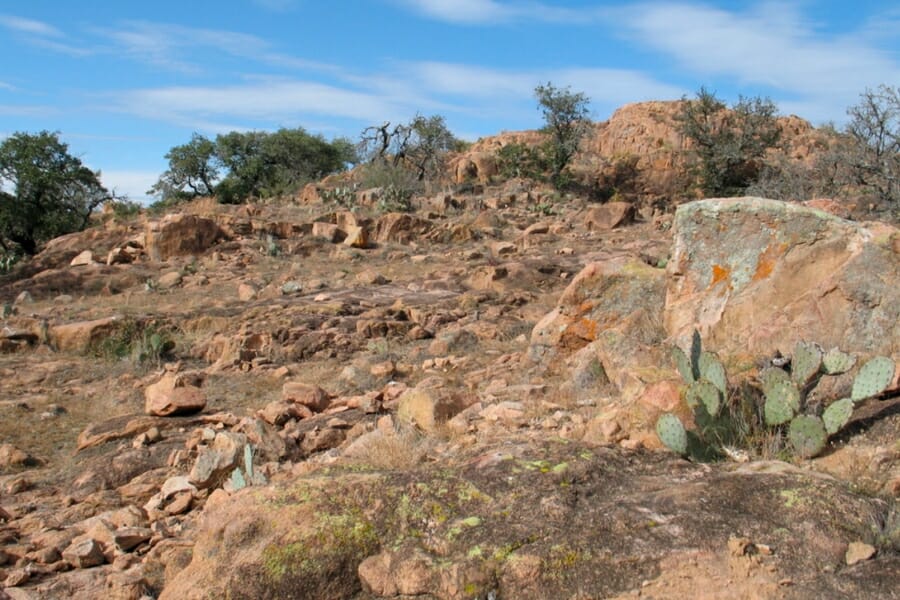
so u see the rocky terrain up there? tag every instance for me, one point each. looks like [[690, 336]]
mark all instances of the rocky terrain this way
[[289, 400]]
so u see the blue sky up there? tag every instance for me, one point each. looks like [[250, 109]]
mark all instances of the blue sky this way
[[125, 81]]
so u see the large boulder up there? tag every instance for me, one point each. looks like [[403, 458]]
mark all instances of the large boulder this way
[[181, 235], [755, 276]]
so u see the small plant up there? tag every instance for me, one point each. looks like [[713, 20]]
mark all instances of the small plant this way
[[785, 412], [248, 476], [395, 199], [342, 196], [270, 246]]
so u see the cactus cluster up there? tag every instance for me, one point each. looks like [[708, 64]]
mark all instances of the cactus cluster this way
[[707, 389], [784, 405], [785, 394]]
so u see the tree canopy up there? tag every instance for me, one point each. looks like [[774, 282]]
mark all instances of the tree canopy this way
[[566, 120], [46, 192], [240, 165], [728, 145]]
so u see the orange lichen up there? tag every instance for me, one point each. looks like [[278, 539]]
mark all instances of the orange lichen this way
[[719, 274], [766, 263]]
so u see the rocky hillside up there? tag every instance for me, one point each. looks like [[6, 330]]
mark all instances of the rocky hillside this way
[[293, 401], [641, 141]]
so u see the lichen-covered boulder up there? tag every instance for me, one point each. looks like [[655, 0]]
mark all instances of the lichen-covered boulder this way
[[756, 275]]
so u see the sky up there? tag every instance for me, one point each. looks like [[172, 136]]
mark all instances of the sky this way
[[123, 82]]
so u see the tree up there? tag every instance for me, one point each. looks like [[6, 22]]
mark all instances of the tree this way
[[193, 171], [728, 146], [52, 192], [874, 128], [419, 146], [261, 164], [566, 118]]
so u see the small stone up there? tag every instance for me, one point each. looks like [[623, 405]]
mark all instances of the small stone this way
[[84, 552], [17, 577], [128, 538], [858, 552], [83, 259]]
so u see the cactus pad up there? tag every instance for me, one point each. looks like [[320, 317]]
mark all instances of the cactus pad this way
[[772, 378], [873, 378], [711, 370], [837, 414], [805, 363], [807, 435], [836, 362], [785, 392], [671, 433], [777, 412], [683, 364], [706, 394]]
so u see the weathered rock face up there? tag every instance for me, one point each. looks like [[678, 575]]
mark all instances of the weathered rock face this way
[[602, 296], [755, 276], [180, 235], [78, 337], [510, 522]]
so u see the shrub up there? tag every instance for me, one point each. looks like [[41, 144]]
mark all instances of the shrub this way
[[728, 146]]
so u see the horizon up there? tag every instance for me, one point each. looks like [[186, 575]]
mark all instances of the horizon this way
[[124, 84]]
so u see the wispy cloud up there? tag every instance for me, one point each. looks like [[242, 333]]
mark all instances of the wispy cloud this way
[[771, 45], [29, 26], [488, 12], [24, 110], [131, 183], [41, 34], [8, 87], [605, 87], [270, 101]]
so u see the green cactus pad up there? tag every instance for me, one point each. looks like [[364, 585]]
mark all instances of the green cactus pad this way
[[837, 414], [873, 378], [805, 363], [696, 350], [704, 393], [785, 392], [711, 370], [671, 433], [683, 364], [836, 362], [238, 481], [777, 412], [772, 377], [807, 435]]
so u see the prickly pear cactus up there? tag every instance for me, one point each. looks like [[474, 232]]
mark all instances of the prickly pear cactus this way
[[805, 363], [706, 394], [837, 415], [782, 403], [807, 435], [671, 433], [836, 362], [772, 378], [683, 364], [711, 370], [873, 378]]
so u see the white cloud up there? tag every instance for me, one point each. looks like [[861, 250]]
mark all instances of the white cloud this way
[[271, 101], [606, 87], [486, 12], [24, 110], [133, 184], [44, 35], [462, 11], [29, 26], [772, 45]]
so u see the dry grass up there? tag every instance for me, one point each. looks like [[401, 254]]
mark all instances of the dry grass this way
[[396, 450]]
